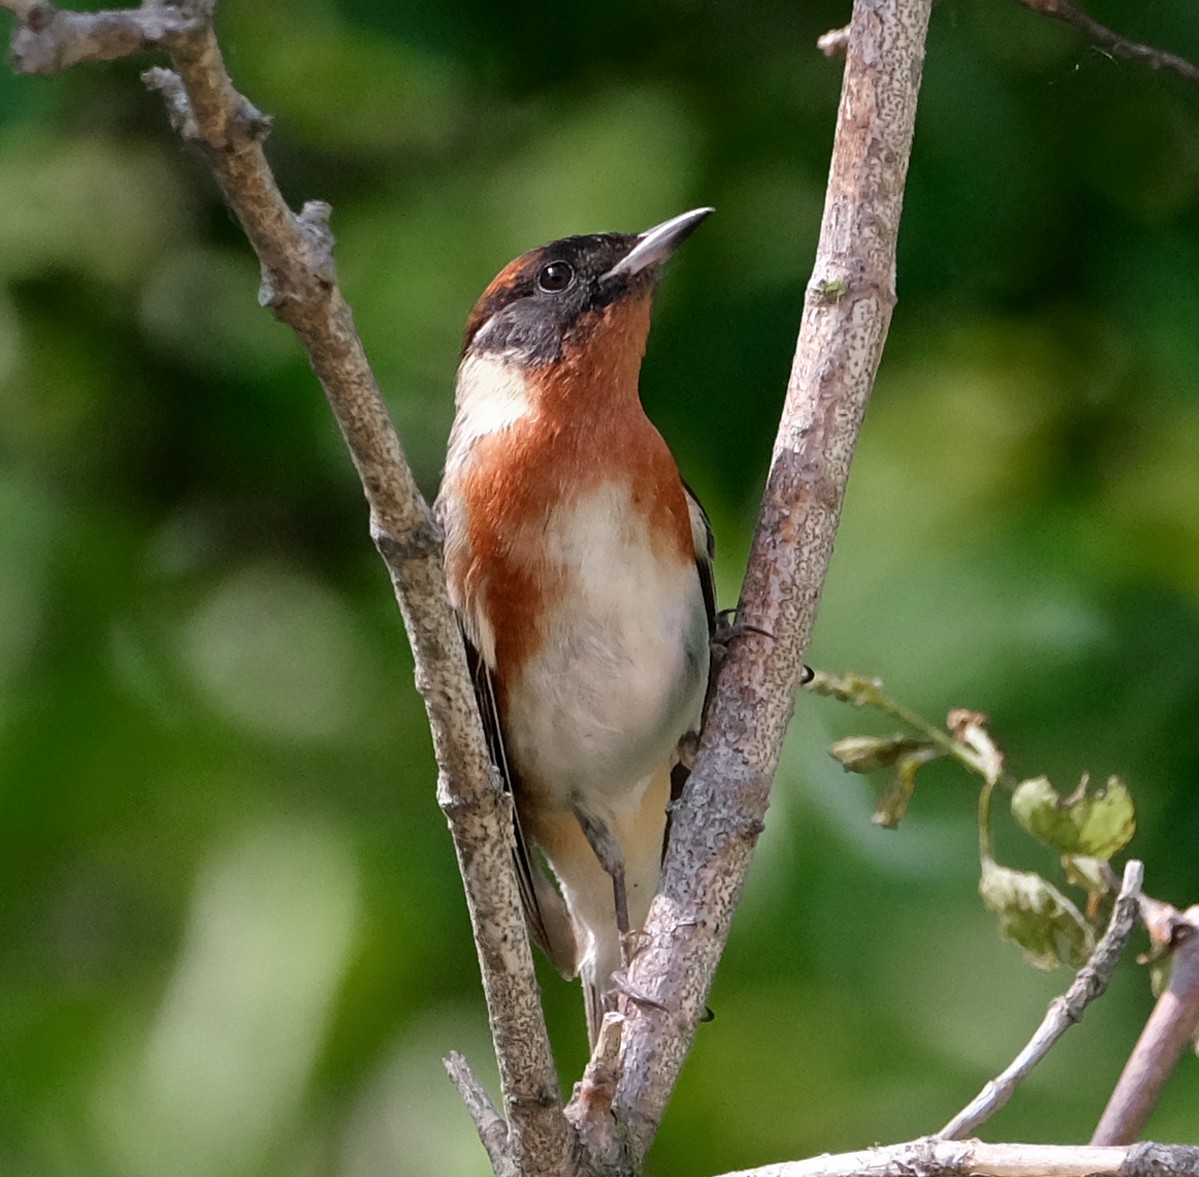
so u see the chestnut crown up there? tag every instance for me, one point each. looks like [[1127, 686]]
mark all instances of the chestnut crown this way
[[546, 296]]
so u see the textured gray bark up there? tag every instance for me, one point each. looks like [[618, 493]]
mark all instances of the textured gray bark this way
[[973, 1158]]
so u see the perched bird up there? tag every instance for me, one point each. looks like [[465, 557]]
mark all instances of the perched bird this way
[[580, 567]]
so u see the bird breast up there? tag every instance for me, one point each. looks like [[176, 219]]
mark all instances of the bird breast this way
[[571, 560], [621, 671]]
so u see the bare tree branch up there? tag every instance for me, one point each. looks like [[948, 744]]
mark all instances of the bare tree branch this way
[[1112, 41], [1170, 1029], [832, 43], [492, 1127], [299, 284], [1065, 1011], [933, 1157], [591, 1105], [51, 39], [620, 1101], [846, 315]]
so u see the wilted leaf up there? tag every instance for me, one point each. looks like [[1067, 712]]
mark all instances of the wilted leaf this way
[[870, 753], [1040, 809], [970, 728], [893, 806], [1037, 916], [1091, 826]]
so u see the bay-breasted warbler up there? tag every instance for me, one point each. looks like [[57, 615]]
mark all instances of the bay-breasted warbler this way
[[580, 567]]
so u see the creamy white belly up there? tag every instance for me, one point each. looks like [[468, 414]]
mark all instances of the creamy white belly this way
[[621, 678]]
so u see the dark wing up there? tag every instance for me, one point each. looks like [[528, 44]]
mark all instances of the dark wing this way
[[705, 554], [545, 912]]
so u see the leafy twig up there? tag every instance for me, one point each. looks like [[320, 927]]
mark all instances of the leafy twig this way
[[862, 691], [1086, 830]]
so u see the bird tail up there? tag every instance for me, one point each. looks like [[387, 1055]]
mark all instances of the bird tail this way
[[596, 971], [593, 1003], [595, 990]]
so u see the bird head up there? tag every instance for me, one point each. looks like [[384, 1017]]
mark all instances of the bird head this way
[[553, 301]]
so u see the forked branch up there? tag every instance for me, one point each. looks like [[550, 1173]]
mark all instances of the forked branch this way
[[832, 43], [1089, 984]]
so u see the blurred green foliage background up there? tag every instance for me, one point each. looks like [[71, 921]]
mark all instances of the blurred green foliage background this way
[[232, 940]]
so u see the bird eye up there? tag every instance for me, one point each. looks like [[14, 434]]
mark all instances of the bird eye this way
[[555, 277]]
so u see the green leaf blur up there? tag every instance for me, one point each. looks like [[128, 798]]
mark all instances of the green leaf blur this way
[[1095, 826], [233, 938]]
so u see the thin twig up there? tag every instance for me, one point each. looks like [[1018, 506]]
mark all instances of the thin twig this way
[[491, 1126], [1064, 1011], [1112, 41], [834, 42], [299, 284], [932, 1157], [1170, 1029], [862, 691], [49, 40], [847, 311]]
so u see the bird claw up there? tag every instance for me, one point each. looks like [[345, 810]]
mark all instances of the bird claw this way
[[687, 749], [726, 631], [632, 944]]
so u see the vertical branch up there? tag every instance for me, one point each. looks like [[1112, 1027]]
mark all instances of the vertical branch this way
[[846, 315]]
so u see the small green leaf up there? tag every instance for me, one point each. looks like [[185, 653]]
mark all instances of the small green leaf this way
[[1092, 826], [1110, 821], [1039, 808], [1037, 916], [893, 805], [870, 753]]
